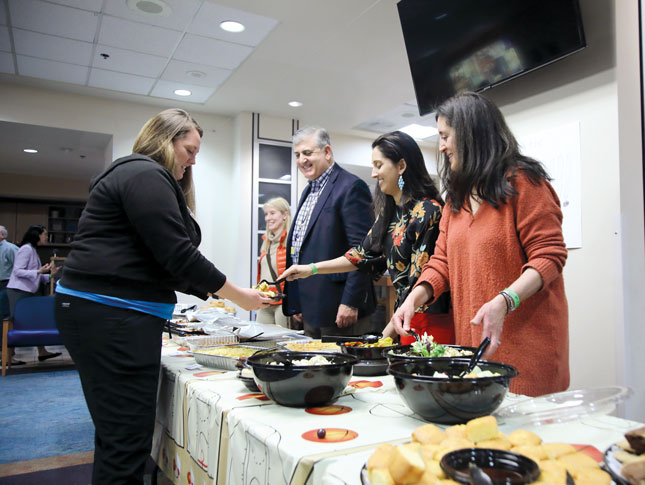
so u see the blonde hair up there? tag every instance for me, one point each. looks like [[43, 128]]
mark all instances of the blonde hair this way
[[155, 140], [282, 206]]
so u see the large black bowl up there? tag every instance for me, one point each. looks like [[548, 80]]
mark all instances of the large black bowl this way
[[310, 385], [450, 400], [366, 353], [503, 467], [399, 352]]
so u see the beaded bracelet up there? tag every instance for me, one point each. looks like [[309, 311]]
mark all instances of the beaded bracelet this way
[[512, 299]]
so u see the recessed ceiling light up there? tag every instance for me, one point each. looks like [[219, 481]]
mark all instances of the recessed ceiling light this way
[[419, 131], [231, 26], [295, 104], [182, 92], [66, 149], [150, 7], [30, 150], [196, 74]]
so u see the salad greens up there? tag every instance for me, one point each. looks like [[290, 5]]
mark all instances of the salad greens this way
[[427, 347]]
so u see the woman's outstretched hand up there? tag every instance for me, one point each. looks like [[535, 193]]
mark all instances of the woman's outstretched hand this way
[[297, 272], [401, 319], [491, 316]]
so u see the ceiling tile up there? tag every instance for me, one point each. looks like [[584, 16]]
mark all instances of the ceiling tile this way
[[93, 5], [53, 48], [3, 15], [211, 52], [210, 15], [138, 37], [212, 76], [118, 81], [182, 13], [130, 62], [54, 71], [164, 89], [53, 19], [6, 63], [5, 43]]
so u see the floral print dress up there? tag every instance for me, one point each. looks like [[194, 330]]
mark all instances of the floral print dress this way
[[408, 245]]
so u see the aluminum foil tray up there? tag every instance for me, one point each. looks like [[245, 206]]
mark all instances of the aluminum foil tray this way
[[220, 361]]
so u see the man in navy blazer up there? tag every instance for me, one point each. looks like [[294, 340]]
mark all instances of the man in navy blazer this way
[[334, 214]]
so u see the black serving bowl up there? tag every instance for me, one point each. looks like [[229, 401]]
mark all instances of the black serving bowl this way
[[307, 385], [450, 400], [249, 382], [366, 353], [399, 352], [503, 467]]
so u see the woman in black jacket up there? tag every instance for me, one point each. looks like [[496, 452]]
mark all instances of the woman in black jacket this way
[[136, 245]]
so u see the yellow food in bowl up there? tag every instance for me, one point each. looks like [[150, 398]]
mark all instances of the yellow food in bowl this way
[[312, 346]]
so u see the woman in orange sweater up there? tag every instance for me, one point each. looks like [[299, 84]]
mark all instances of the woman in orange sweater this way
[[500, 244], [273, 256]]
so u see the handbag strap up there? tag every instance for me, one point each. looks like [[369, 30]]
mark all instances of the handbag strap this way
[[271, 270]]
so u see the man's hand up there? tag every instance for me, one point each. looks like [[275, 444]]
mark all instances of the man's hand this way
[[297, 317], [346, 316]]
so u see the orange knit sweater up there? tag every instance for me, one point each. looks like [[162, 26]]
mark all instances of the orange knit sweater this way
[[477, 256]]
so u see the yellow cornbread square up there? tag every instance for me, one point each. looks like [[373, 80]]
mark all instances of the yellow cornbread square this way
[[458, 430], [576, 461], [407, 466], [497, 444], [380, 476], [590, 476], [556, 450], [534, 452], [479, 429], [428, 433], [381, 457], [523, 437]]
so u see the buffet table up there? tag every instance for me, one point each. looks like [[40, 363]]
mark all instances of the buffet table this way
[[211, 429]]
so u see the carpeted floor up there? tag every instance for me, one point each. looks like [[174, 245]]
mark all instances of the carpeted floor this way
[[45, 415], [46, 433]]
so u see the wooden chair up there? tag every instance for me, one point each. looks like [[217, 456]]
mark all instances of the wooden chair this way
[[33, 324]]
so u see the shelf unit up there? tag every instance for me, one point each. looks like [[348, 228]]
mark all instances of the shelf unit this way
[[62, 222]]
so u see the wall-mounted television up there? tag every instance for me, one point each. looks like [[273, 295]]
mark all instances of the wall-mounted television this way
[[472, 45]]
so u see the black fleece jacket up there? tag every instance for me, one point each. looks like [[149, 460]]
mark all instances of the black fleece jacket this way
[[136, 238]]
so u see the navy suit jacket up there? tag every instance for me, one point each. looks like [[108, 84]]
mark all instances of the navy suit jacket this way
[[340, 220]]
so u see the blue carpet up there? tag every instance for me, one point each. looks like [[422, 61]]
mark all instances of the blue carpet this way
[[43, 415]]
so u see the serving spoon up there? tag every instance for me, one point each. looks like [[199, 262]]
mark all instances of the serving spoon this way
[[476, 356], [478, 476]]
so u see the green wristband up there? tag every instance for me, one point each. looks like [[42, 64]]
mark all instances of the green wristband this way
[[514, 296], [314, 270]]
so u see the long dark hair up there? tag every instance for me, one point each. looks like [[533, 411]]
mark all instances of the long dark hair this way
[[395, 146], [32, 236], [487, 152]]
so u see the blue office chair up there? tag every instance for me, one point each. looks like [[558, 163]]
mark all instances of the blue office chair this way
[[32, 324]]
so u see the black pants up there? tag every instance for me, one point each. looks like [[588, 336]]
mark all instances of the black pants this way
[[117, 353]]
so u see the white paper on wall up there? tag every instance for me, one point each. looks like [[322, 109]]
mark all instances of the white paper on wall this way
[[559, 150]]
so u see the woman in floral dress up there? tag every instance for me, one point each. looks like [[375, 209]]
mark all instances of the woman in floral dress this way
[[408, 208]]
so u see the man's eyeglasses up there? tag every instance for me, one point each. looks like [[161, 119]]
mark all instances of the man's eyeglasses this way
[[305, 153]]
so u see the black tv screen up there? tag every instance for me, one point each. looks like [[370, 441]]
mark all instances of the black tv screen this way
[[472, 45]]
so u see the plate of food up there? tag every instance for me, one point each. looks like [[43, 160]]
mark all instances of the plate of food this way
[[266, 290], [625, 460]]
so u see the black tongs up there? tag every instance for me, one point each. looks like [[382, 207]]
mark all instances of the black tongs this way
[[272, 283], [368, 339]]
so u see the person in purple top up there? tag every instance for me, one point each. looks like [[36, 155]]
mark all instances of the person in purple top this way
[[28, 277]]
